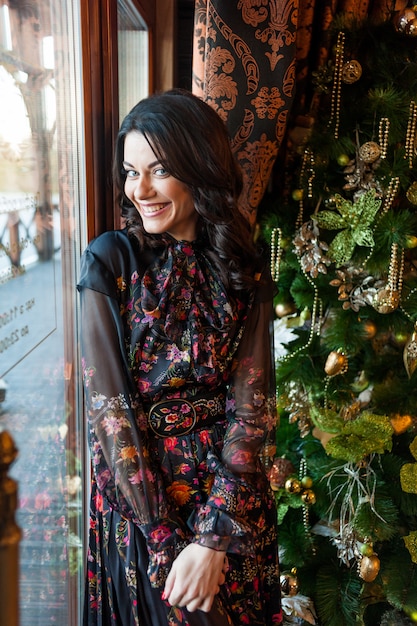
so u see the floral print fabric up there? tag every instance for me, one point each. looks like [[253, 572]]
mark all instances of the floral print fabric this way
[[158, 325]]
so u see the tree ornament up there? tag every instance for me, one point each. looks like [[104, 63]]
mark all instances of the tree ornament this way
[[298, 407], [408, 471], [337, 83], [401, 423], [411, 27], [410, 541], [276, 253], [310, 250], [356, 288], [343, 160], [279, 472], [351, 72], [369, 568], [369, 152], [367, 549], [308, 496], [411, 193], [354, 220], [336, 363], [297, 194], [289, 583], [283, 309], [410, 241], [410, 354], [383, 135], [369, 329], [410, 135], [388, 299], [293, 485], [403, 18], [307, 482]]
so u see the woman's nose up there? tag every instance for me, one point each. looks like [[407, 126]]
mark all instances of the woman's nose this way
[[143, 187]]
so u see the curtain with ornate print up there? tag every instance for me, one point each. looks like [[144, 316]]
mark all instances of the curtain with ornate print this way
[[244, 66]]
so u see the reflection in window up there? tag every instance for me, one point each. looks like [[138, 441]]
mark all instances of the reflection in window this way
[[40, 186]]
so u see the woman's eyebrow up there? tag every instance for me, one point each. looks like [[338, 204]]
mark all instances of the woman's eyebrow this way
[[126, 163]]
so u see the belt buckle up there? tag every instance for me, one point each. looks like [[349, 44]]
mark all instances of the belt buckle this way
[[168, 418]]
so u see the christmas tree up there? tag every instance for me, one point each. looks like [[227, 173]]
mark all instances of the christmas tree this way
[[342, 222]]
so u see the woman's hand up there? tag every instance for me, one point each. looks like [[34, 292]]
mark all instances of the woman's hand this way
[[195, 577]]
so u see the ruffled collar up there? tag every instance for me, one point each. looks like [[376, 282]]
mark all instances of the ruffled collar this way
[[184, 301]]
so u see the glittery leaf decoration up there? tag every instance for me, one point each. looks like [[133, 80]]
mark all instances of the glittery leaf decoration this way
[[408, 472], [411, 545], [326, 420], [367, 434], [354, 219]]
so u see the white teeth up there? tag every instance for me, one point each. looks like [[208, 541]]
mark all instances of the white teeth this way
[[153, 209]]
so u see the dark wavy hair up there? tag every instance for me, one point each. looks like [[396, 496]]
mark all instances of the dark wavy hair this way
[[191, 142]]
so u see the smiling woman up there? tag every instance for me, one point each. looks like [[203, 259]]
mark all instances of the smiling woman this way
[[164, 203], [179, 383]]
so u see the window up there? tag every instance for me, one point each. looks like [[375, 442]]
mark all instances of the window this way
[[42, 209]]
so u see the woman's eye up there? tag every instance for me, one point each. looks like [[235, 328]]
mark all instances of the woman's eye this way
[[160, 171], [130, 173]]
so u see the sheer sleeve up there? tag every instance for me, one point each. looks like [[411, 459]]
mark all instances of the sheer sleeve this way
[[117, 425], [240, 487]]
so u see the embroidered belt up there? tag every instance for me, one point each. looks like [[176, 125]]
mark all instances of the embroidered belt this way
[[178, 416]]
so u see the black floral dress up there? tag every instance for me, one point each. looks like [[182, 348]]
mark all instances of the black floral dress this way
[[179, 388]]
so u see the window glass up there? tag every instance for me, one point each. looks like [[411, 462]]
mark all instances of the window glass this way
[[41, 199], [133, 57]]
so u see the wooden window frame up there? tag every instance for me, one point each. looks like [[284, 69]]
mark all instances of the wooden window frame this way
[[100, 85]]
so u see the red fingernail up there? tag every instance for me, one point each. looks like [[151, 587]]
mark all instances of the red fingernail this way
[[164, 597]]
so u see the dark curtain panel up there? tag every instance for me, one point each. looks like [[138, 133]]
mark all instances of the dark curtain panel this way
[[244, 66]]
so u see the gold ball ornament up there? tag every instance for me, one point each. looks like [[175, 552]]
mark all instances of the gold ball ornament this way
[[369, 568], [386, 301], [289, 583], [369, 329], [308, 496], [343, 159], [293, 485], [369, 152], [411, 193], [367, 549], [410, 241], [336, 363], [351, 72], [297, 194], [283, 309], [307, 482]]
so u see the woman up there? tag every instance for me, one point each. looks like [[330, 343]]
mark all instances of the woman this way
[[179, 385]]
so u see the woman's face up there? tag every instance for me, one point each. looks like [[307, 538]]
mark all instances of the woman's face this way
[[164, 203]]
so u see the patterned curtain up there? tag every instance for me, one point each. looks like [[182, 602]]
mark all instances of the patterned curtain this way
[[244, 66]]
